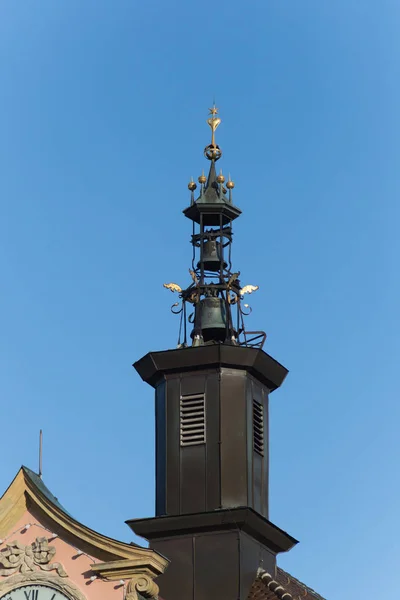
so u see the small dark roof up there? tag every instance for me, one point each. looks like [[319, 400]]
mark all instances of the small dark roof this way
[[282, 586], [37, 481]]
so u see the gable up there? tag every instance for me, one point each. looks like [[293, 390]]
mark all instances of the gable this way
[[40, 542]]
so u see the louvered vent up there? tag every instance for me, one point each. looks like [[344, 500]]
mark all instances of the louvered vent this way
[[193, 420], [258, 428]]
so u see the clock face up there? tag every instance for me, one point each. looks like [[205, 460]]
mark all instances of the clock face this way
[[34, 592]]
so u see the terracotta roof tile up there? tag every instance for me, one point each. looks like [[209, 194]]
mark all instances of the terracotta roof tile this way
[[280, 587], [265, 587], [296, 587]]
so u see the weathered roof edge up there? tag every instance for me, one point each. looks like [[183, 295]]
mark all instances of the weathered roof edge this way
[[38, 482]]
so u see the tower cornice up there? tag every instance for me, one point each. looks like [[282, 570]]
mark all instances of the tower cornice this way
[[241, 518], [155, 365]]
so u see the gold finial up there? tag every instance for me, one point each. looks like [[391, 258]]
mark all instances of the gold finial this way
[[202, 179], [213, 122], [212, 151], [230, 184], [192, 185], [220, 177]]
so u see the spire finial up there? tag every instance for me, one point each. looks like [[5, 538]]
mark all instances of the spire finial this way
[[213, 151], [213, 122], [40, 453]]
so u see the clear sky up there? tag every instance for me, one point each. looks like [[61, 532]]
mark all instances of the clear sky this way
[[102, 123]]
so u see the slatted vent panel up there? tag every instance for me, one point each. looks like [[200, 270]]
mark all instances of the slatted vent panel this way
[[193, 420], [258, 428]]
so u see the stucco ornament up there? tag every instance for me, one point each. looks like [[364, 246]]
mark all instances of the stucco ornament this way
[[144, 585], [17, 558]]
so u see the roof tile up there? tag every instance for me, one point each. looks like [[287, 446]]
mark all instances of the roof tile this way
[[296, 587], [280, 587]]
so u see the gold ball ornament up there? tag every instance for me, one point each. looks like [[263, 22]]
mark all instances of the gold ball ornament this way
[[230, 185], [220, 178], [192, 186], [202, 179]]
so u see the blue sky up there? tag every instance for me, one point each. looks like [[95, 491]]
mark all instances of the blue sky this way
[[102, 123]]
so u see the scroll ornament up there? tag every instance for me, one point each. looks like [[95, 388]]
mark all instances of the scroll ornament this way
[[143, 585], [17, 558]]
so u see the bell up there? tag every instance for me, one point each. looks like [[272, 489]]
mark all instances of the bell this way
[[212, 319], [211, 256]]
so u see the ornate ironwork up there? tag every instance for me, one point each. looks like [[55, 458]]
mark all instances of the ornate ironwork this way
[[215, 291]]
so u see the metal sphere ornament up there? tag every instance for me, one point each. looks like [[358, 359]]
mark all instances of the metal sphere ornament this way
[[212, 152]]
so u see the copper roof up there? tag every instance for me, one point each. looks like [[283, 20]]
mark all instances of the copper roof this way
[[281, 586]]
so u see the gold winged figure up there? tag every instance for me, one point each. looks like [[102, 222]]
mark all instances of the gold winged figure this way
[[248, 289], [194, 277], [232, 278], [174, 287]]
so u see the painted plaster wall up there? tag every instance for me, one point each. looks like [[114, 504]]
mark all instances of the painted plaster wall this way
[[76, 566]]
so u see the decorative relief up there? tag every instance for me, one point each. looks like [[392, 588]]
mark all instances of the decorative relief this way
[[144, 585], [17, 558]]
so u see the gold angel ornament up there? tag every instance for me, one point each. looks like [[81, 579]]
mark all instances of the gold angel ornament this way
[[173, 287], [232, 278], [194, 277], [248, 289]]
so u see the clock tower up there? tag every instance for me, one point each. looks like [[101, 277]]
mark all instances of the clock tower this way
[[211, 404]]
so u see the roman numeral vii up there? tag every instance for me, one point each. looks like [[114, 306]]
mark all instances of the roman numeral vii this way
[[32, 595]]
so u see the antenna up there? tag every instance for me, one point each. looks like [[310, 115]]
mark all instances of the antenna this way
[[40, 453]]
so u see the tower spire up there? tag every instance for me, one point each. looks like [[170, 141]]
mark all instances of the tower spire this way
[[212, 303]]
